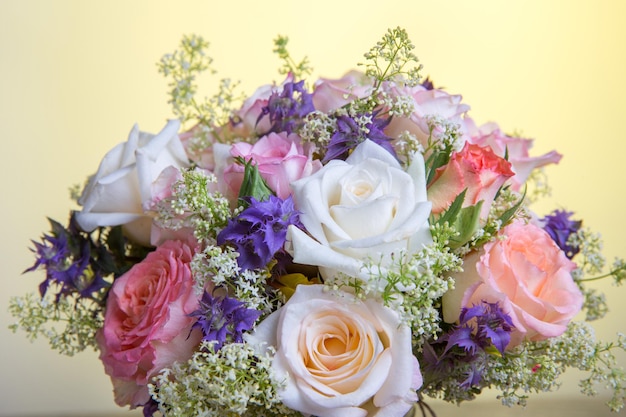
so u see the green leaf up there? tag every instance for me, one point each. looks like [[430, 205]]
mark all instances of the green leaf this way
[[507, 215], [467, 222], [453, 211]]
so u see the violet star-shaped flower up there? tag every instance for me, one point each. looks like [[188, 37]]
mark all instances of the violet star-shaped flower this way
[[72, 260], [480, 326], [559, 226], [287, 109], [260, 231], [350, 133], [223, 319]]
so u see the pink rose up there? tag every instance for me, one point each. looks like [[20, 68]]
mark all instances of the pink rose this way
[[517, 149], [474, 168], [329, 95], [280, 158], [528, 275], [342, 356], [427, 103], [147, 325]]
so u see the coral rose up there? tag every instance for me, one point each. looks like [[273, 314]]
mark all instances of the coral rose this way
[[475, 169]]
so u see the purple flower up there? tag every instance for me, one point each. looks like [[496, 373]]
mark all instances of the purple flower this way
[[287, 109], [560, 228], [260, 231], [492, 326], [150, 408], [428, 84], [66, 256], [223, 319], [350, 133], [466, 345], [77, 261]]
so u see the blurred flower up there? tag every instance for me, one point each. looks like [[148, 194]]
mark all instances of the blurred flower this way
[[560, 228]]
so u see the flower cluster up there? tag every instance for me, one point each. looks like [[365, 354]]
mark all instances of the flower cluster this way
[[344, 246]]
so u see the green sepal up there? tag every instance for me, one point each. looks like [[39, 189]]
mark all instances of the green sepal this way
[[507, 215], [466, 223], [493, 351], [253, 184], [465, 220], [436, 160]]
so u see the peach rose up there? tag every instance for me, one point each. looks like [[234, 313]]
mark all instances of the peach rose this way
[[517, 150], [474, 168], [147, 326], [427, 102], [329, 95], [342, 356], [528, 275]]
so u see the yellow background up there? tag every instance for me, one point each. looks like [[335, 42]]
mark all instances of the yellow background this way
[[76, 75]]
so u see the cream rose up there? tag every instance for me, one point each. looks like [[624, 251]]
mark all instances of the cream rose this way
[[116, 193], [364, 207], [341, 356]]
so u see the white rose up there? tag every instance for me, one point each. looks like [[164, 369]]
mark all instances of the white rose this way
[[116, 193], [341, 356], [364, 207]]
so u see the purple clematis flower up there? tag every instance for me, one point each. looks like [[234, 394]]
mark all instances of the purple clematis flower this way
[[260, 231], [349, 134], [287, 109], [480, 327], [560, 228], [223, 319], [66, 256]]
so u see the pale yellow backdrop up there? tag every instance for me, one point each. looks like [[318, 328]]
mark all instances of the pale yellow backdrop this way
[[76, 75]]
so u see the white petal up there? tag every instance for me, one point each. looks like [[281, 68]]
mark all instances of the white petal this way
[[308, 251], [365, 220], [370, 150], [89, 221], [417, 171]]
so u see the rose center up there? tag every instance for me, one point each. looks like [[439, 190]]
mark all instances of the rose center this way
[[360, 189], [333, 346]]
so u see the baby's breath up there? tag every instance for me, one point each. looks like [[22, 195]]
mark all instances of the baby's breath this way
[[318, 128], [234, 381], [182, 67], [392, 57], [411, 285], [299, 70], [70, 324], [193, 204], [218, 266]]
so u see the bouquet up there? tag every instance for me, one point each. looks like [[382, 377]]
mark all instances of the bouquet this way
[[349, 246]]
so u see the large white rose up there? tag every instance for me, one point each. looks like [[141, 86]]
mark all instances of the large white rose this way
[[364, 207], [341, 356], [116, 193]]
